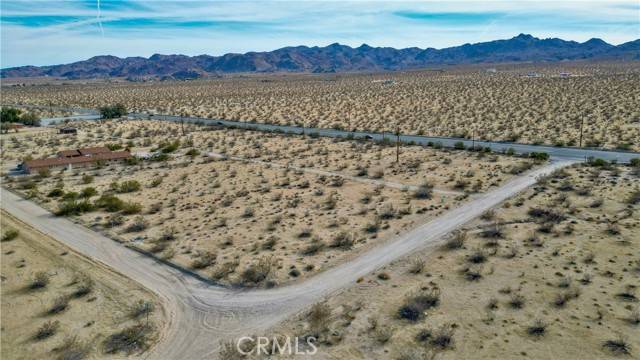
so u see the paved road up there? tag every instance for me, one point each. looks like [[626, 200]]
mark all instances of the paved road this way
[[201, 315], [558, 153], [360, 179]]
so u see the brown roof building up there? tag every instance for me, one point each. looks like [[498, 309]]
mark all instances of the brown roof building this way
[[78, 158]]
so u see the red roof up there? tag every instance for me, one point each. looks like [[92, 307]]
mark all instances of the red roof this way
[[58, 161], [94, 150]]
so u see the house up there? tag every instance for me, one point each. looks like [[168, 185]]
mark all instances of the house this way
[[68, 130], [76, 158]]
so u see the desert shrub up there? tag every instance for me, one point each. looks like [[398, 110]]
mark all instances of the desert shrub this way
[[516, 301], [114, 146], [618, 346], [259, 271], [442, 338], [342, 240], [372, 226], [84, 288], [130, 340], [416, 266], [223, 270], [459, 145], [138, 224], [88, 192], [415, 304], [205, 260], [313, 248], [269, 243], [47, 330], [538, 328], [57, 192], [87, 179], [546, 214], [456, 240], [386, 212], [635, 162], [128, 186], [539, 156], [634, 197], [44, 173], [424, 191], [40, 280], [304, 233], [141, 308], [192, 153], [109, 203], [9, 235], [488, 215], [478, 256], [318, 316], [248, 212], [60, 304], [130, 208], [383, 334], [73, 349], [492, 232], [156, 182], [112, 111], [72, 207]]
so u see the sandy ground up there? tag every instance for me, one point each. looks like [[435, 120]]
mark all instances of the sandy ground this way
[[505, 105], [203, 317], [578, 276], [224, 216], [89, 319]]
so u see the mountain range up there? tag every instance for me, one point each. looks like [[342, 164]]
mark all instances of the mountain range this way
[[333, 58]]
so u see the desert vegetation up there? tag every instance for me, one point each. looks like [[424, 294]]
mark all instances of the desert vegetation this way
[[57, 305], [247, 208], [542, 268], [458, 101]]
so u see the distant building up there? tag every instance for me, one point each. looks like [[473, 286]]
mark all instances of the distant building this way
[[68, 130], [79, 158]]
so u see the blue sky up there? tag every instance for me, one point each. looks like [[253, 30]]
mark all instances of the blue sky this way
[[43, 32]]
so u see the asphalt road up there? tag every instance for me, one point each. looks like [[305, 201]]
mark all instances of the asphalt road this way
[[201, 315], [558, 153]]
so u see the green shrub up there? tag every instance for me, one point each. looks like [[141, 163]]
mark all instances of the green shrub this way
[[128, 186], [73, 207], [55, 193], [130, 208], [9, 235], [88, 192], [539, 156], [109, 203], [459, 145], [113, 111], [87, 179]]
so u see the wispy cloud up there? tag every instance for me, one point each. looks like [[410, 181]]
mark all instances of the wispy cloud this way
[[65, 31]]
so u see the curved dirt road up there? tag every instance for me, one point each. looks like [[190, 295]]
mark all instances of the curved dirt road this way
[[201, 315]]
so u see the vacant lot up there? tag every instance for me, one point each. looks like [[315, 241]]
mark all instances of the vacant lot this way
[[58, 305], [553, 272], [502, 105], [254, 222]]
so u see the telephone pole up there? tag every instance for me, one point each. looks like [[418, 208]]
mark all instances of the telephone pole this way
[[397, 144], [581, 125]]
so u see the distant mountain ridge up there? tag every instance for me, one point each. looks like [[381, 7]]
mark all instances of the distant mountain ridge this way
[[334, 58]]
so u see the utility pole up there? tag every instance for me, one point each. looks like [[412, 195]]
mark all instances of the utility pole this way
[[182, 123], [473, 139], [397, 144], [581, 125]]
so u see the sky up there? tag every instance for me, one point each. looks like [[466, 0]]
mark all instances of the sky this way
[[43, 32]]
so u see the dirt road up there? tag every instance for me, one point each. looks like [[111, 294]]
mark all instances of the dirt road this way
[[201, 315]]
